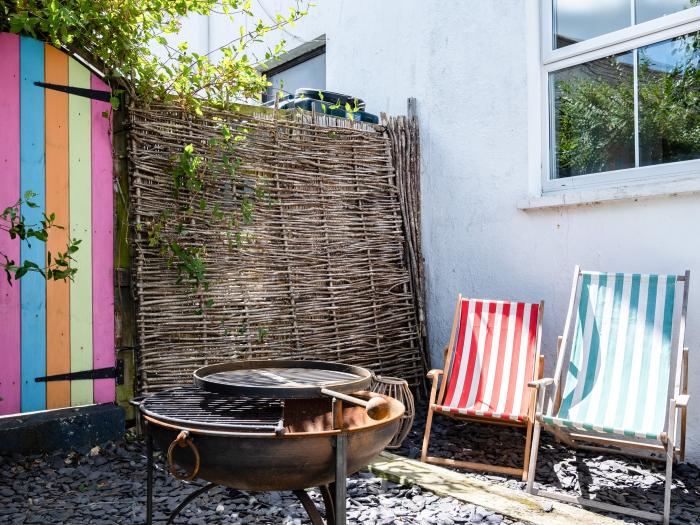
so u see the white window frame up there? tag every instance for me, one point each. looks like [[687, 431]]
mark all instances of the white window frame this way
[[620, 41]]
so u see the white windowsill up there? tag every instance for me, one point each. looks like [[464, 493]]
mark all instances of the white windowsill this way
[[591, 196]]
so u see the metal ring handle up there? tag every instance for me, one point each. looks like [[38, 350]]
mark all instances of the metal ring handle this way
[[183, 439]]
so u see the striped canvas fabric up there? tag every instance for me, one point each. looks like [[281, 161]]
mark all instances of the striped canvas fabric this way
[[620, 361], [493, 360]]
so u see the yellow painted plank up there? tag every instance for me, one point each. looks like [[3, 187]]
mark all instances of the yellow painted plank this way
[[80, 195], [513, 504]]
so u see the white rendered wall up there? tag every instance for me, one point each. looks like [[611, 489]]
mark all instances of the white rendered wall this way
[[469, 63]]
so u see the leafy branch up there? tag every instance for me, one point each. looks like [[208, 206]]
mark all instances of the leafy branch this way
[[131, 41], [12, 222]]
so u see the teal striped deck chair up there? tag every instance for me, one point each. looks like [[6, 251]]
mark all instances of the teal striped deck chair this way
[[620, 383]]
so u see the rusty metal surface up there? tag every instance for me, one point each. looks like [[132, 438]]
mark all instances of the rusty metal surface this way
[[304, 456]]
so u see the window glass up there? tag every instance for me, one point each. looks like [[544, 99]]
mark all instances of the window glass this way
[[650, 9], [669, 100], [592, 117], [577, 20]]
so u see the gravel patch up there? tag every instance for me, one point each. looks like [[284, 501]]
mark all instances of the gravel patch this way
[[611, 478], [108, 486]]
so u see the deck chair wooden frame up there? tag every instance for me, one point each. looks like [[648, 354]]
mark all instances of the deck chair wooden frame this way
[[667, 447], [437, 397]]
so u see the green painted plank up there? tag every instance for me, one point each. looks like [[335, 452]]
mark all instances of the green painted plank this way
[[80, 192]]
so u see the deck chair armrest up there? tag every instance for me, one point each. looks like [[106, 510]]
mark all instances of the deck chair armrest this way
[[434, 376], [682, 400], [434, 373], [538, 383]]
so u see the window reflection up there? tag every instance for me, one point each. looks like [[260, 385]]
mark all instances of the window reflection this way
[[593, 117], [649, 9], [577, 20], [669, 100]]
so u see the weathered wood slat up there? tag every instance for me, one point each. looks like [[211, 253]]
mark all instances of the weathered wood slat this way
[[516, 505]]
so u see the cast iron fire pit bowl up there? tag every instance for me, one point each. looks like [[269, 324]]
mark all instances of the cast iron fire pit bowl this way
[[300, 457], [269, 426]]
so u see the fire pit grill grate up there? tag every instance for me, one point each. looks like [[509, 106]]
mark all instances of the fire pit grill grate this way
[[286, 379], [199, 408]]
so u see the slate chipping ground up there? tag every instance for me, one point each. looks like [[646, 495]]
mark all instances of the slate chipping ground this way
[[108, 487]]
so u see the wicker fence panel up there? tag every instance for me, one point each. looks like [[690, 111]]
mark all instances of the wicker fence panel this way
[[323, 273]]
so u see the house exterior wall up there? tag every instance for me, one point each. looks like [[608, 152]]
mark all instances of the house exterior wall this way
[[473, 67]]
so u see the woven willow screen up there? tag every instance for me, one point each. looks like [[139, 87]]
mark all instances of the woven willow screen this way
[[318, 272]]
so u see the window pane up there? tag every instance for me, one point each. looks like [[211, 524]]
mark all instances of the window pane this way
[[577, 20], [669, 100], [593, 117], [650, 9]]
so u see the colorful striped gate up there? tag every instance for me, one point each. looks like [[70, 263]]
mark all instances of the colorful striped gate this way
[[57, 145]]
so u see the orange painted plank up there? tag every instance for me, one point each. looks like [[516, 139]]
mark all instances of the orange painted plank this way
[[57, 172]]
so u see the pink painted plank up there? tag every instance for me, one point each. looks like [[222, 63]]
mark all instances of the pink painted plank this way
[[103, 355], [10, 349]]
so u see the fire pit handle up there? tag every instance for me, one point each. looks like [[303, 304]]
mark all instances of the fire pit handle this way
[[183, 439], [136, 401]]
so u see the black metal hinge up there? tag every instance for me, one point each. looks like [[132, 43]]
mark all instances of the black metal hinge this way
[[116, 372], [94, 94]]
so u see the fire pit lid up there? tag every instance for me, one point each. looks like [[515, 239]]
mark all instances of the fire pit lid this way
[[281, 378]]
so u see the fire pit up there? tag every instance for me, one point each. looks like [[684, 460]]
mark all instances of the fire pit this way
[[271, 425]]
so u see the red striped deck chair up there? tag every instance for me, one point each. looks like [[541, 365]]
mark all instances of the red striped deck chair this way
[[616, 383], [493, 353]]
